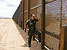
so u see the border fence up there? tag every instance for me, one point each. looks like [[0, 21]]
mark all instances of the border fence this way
[[55, 17]]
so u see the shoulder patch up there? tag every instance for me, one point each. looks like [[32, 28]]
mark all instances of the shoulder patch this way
[[27, 21]]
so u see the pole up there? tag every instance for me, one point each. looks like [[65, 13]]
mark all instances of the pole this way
[[61, 16], [28, 9], [23, 15], [43, 25], [60, 21]]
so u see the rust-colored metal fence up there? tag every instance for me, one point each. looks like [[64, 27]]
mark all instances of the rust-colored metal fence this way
[[52, 18]]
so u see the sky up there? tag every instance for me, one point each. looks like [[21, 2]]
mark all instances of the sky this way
[[8, 8]]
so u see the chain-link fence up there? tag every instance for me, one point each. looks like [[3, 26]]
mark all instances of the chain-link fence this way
[[53, 25]]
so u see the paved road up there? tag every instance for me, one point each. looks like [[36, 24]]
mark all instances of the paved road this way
[[12, 37]]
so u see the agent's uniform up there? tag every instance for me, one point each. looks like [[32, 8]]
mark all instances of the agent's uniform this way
[[32, 30]]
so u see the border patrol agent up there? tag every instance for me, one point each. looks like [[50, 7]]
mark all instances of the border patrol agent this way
[[30, 27]]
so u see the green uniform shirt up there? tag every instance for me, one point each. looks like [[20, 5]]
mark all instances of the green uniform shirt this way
[[31, 23]]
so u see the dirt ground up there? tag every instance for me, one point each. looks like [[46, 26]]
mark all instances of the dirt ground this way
[[12, 37]]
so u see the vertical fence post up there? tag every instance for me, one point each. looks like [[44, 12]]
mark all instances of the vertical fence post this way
[[60, 22], [63, 44], [23, 15], [18, 15], [43, 25], [61, 17], [28, 9]]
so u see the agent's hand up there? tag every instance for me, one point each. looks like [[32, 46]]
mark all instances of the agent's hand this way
[[39, 18], [27, 29]]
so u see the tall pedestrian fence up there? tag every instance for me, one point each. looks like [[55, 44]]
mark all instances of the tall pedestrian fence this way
[[55, 17]]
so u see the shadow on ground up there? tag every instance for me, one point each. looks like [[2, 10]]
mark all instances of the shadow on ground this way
[[34, 45]]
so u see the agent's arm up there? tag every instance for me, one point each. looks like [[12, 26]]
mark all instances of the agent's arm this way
[[37, 19], [26, 25]]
